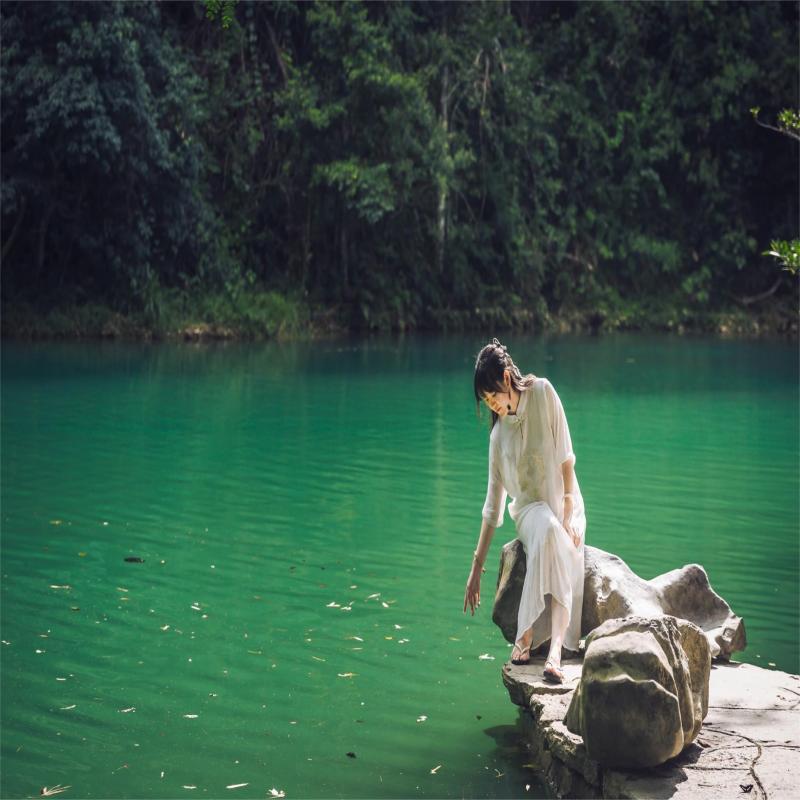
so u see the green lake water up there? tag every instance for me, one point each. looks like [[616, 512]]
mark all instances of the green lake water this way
[[307, 515]]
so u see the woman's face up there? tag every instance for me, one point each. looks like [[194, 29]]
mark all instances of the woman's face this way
[[499, 400]]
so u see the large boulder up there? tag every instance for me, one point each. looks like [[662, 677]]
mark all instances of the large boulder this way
[[643, 692], [612, 590]]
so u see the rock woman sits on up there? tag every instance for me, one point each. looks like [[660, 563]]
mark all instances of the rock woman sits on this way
[[531, 460]]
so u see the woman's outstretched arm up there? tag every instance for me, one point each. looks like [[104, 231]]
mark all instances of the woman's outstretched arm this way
[[472, 594]]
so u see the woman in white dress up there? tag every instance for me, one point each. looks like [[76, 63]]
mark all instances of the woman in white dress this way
[[531, 460]]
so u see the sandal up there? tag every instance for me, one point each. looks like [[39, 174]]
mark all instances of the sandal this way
[[522, 651], [553, 673]]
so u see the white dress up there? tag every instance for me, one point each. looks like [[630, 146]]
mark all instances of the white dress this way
[[526, 451]]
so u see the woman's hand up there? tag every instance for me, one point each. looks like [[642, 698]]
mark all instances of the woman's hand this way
[[472, 594], [567, 522]]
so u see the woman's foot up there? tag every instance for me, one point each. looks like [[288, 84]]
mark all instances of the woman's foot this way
[[552, 672], [523, 652]]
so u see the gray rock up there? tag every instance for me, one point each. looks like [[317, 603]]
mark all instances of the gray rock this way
[[643, 692], [612, 591]]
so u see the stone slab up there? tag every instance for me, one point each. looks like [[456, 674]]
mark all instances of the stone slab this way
[[750, 738]]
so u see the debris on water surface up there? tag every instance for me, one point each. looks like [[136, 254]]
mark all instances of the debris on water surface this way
[[486, 657], [436, 769], [67, 708], [190, 716], [422, 717], [127, 710], [57, 789], [347, 674], [60, 586], [280, 793], [237, 785], [351, 754], [134, 560]]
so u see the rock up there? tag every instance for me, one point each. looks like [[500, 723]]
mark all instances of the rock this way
[[643, 692], [612, 591], [752, 731]]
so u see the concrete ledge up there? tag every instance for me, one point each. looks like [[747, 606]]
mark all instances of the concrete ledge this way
[[750, 738]]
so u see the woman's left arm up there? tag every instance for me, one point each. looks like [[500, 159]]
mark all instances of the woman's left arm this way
[[568, 474]]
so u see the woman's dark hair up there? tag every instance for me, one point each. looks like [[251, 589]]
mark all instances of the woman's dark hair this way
[[491, 363]]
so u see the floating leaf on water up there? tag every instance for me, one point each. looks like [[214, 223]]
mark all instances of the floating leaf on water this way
[[373, 596], [346, 608], [317, 658], [422, 717], [499, 774], [4, 641], [60, 586], [390, 638], [453, 639], [67, 708], [347, 674], [57, 789], [162, 773], [196, 607], [41, 651], [486, 657], [279, 792], [60, 679], [384, 604], [354, 586], [351, 754], [133, 559], [771, 664], [403, 641], [127, 710], [82, 555], [74, 608], [357, 638], [237, 785], [165, 627], [121, 589], [436, 769], [190, 716], [332, 604], [188, 786], [55, 522], [398, 627]]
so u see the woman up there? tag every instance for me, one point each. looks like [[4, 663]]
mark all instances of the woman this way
[[531, 459]]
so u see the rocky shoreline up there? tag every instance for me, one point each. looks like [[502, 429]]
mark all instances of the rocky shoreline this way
[[749, 745]]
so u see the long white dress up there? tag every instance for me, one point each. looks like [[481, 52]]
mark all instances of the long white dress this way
[[526, 451]]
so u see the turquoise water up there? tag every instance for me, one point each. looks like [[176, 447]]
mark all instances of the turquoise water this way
[[306, 516]]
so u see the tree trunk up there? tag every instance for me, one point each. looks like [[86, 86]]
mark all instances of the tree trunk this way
[[441, 226]]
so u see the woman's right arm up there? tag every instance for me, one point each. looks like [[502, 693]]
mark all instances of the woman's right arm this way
[[472, 594], [493, 510]]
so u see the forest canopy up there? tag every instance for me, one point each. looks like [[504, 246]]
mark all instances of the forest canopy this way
[[397, 164]]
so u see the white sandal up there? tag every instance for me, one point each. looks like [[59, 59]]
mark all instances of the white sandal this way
[[553, 673]]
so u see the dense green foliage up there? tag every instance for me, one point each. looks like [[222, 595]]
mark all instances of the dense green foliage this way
[[397, 164]]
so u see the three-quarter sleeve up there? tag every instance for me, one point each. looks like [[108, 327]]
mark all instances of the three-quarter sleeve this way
[[558, 425], [495, 505]]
